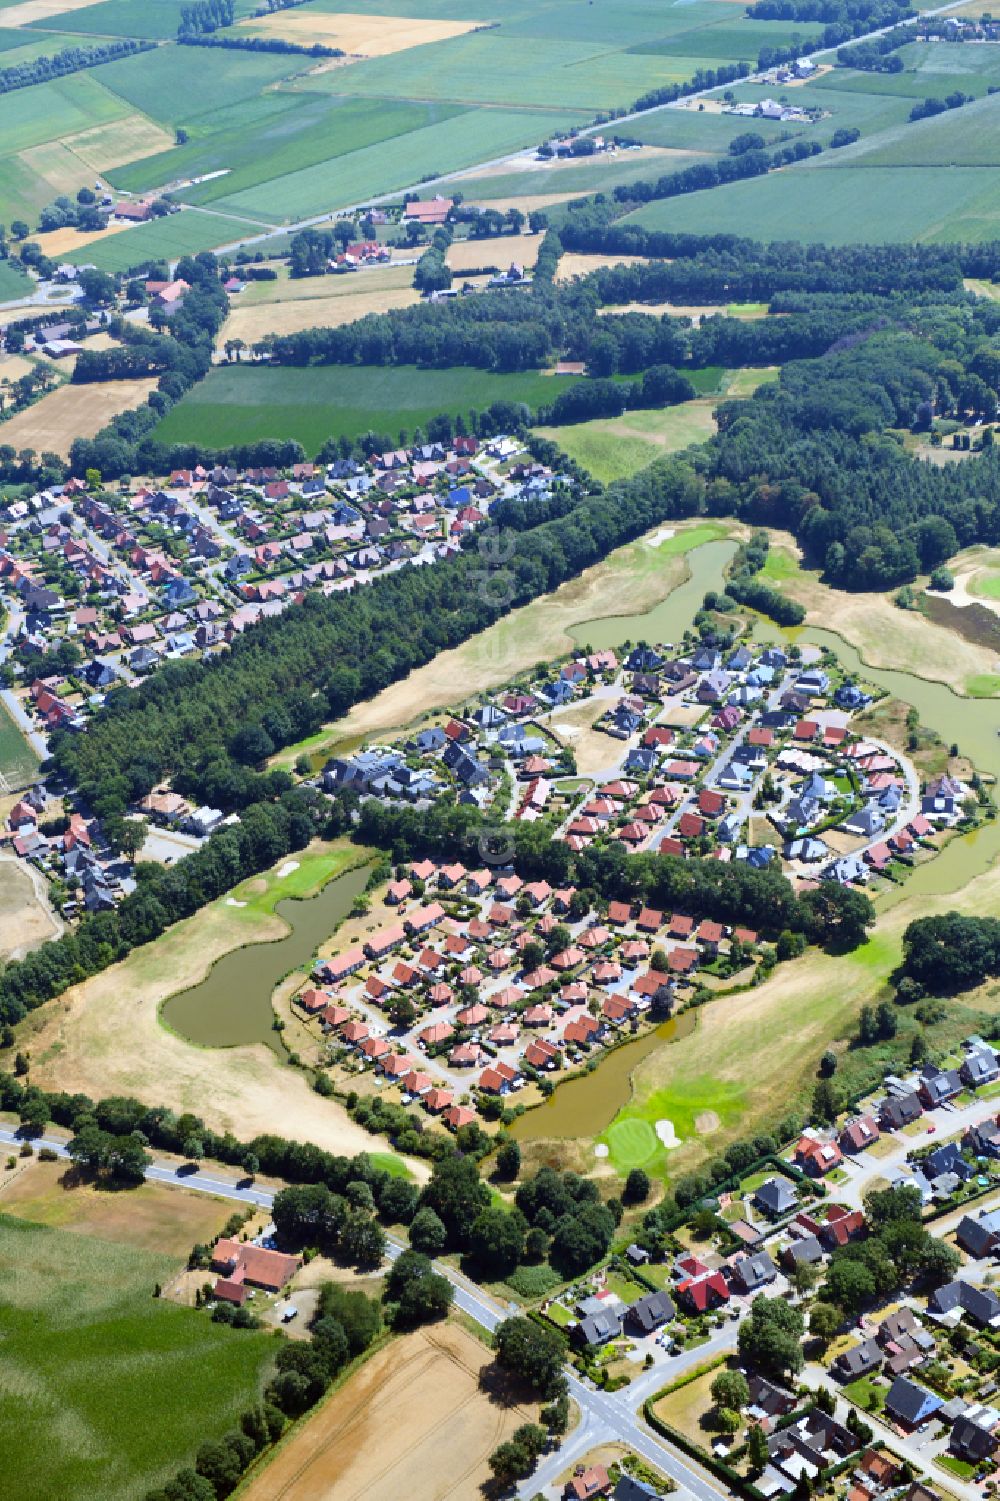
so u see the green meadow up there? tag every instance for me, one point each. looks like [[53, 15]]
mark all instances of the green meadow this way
[[237, 404], [107, 1390]]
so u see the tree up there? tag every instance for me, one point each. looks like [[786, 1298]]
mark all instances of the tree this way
[[771, 1338], [839, 916], [805, 1277], [251, 1165], [133, 837], [457, 1194], [850, 1284], [496, 1241], [828, 1064], [363, 1239], [508, 1162], [511, 1461], [427, 1233], [636, 1187], [757, 1449], [826, 1101], [938, 1261], [730, 1389], [824, 1321], [531, 1353]]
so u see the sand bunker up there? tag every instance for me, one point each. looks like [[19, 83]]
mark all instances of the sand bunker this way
[[662, 535], [601, 1150], [668, 1136], [706, 1122], [287, 869]]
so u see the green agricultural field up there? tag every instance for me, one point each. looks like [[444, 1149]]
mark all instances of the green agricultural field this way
[[18, 762], [164, 239], [176, 84], [741, 40], [451, 143], [264, 139], [51, 111], [687, 129], [237, 404], [540, 72], [594, 174], [107, 1389], [928, 68], [843, 205], [966, 137], [13, 283], [156, 20]]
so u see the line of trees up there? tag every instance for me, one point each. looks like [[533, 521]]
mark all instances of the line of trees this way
[[259, 44], [68, 60]]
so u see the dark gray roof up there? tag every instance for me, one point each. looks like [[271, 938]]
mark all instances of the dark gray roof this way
[[651, 1311]]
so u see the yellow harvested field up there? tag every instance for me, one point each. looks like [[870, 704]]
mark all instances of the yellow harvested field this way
[[119, 142], [73, 412], [582, 265], [253, 321], [13, 366], [593, 750], [358, 35], [41, 10], [412, 1421], [467, 255], [59, 242], [56, 165]]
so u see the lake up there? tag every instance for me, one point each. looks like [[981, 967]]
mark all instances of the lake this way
[[232, 1005]]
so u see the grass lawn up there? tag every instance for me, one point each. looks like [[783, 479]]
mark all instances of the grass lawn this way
[[866, 1394], [688, 1407], [108, 1389], [959, 1467], [239, 404], [694, 1107], [983, 685], [986, 584]]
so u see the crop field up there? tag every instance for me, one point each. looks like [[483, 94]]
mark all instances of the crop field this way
[[361, 35], [18, 762], [236, 404], [928, 68], [174, 84], [742, 38], [260, 140], [107, 1387], [69, 412], [413, 1419], [156, 20], [967, 137], [446, 144], [844, 205], [180, 234], [342, 300]]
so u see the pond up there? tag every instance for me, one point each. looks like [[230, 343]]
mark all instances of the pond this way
[[232, 1005], [668, 620], [586, 1105]]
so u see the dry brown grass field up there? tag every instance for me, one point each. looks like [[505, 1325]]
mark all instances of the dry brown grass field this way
[[413, 1421], [467, 255], [153, 1217]]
